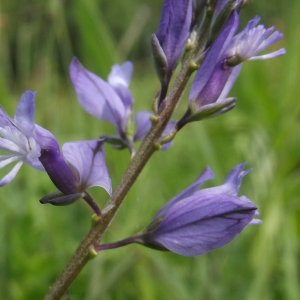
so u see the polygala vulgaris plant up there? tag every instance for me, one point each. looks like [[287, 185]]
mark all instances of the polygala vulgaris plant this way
[[200, 37]]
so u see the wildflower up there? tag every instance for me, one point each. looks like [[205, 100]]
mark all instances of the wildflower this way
[[196, 222], [80, 166], [213, 80], [222, 65], [112, 102], [22, 137], [205, 220]]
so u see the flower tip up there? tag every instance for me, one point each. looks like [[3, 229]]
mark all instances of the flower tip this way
[[281, 51], [208, 173], [30, 93], [255, 222], [257, 18], [27, 99], [74, 60], [244, 173], [237, 172], [74, 66]]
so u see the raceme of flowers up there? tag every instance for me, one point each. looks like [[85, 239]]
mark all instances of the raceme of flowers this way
[[199, 36]]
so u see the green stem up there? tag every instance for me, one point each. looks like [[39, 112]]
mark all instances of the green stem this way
[[118, 244], [81, 256]]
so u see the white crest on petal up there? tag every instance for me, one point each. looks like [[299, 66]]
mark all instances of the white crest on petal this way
[[19, 137], [120, 74]]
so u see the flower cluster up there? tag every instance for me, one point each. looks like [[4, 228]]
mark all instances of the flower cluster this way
[[222, 65], [203, 35], [221, 60]]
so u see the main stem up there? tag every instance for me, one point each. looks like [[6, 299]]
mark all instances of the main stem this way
[[147, 148]]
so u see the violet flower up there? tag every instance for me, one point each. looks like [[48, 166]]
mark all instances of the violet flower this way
[[169, 41], [80, 166], [22, 137], [222, 65], [112, 102], [196, 222], [213, 80]]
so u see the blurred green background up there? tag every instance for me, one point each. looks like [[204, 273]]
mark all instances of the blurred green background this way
[[37, 42]]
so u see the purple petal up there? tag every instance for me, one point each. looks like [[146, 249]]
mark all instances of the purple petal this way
[[87, 157], [174, 28], [119, 78], [234, 178], [207, 174], [5, 120], [231, 184], [96, 96], [213, 87], [231, 80], [143, 124], [25, 113], [272, 39], [45, 139], [214, 54], [59, 172], [197, 225]]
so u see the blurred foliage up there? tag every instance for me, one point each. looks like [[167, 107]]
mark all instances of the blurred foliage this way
[[37, 42]]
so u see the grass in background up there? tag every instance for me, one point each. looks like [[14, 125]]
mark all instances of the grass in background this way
[[38, 41]]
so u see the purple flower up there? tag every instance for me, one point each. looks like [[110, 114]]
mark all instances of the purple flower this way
[[112, 102], [222, 65], [22, 137], [80, 166], [169, 41], [213, 80], [196, 222]]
